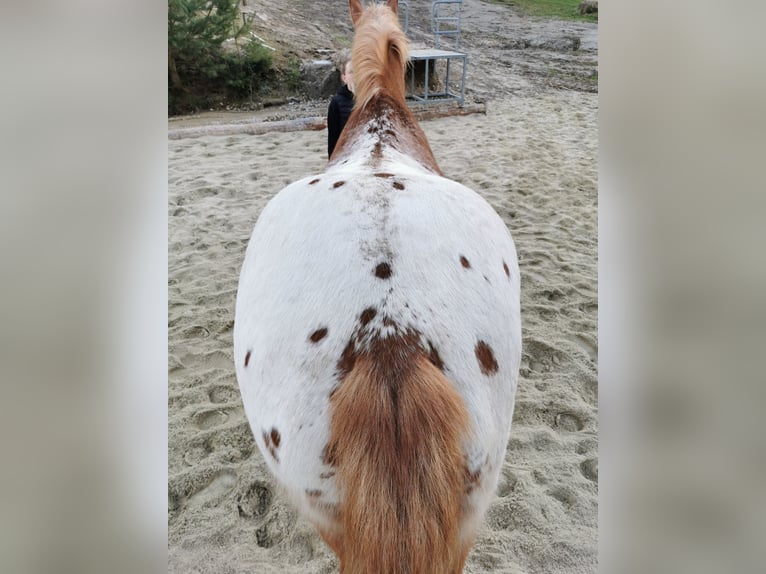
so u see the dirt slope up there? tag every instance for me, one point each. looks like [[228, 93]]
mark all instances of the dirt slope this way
[[509, 54]]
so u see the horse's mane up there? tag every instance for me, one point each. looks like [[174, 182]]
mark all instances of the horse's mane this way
[[379, 54]]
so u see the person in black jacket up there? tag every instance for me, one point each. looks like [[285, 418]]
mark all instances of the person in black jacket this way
[[341, 104]]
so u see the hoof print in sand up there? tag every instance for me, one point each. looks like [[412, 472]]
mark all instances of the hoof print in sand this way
[[218, 487], [211, 419], [256, 501], [569, 422], [223, 394], [564, 495], [589, 469]]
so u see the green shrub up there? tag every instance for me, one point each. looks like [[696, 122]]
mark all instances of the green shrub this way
[[293, 74], [247, 70], [200, 69]]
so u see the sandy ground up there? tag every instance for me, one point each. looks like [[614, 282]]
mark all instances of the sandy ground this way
[[533, 156]]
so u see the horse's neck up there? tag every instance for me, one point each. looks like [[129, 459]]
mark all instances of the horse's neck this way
[[384, 131]]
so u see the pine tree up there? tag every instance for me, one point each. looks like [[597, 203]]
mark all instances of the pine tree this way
[[196, 32]]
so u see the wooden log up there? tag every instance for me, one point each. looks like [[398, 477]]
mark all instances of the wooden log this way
[[313, 123], [254, 128], [430, 113]]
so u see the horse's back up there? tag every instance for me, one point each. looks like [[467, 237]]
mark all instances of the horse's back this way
[[343, 257]]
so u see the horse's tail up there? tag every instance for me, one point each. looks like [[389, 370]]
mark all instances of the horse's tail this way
[[396, 439], [379, 54]]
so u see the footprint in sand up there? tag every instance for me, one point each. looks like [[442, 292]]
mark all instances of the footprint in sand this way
[[589, 469], [195, 454], [234, 443], [223, 394], [271, 533], [507, 484], [540, 477], [540, 355], [302, 550], [569, 422], [195, 332], [585, 345], [553, 294], [216, 489], [586, 446], [543, 440], [564, 495], [589, 307], [263, 537], [174, 502], [255, 501], [174, 363], [211, 419], [210, 361]]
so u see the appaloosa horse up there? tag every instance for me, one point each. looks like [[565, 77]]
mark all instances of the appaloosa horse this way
[[377, 335]]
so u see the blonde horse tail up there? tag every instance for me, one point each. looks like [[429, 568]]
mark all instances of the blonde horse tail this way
[[396, 440]]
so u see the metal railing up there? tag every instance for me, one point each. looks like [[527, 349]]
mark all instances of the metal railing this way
[[445, 20]]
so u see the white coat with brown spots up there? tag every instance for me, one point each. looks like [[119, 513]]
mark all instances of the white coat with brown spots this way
[[310, 273]]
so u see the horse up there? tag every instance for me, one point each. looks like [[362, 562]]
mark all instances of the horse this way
[[377, 335]]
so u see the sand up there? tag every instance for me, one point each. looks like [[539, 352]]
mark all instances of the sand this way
[[533, 156]]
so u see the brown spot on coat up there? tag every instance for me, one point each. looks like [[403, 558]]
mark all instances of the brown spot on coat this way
[[383, 174], [313, 493], [337, 184], [398, 185], [313, 181], [505, 268], [486, 358], [464, 262], [275, 437], [472, 479], [318, 335], [247, 358], [270, 443], [328, 456], [367, 316], [383, 270]]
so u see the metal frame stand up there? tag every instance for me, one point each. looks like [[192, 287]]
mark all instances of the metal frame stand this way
[[443, 96]]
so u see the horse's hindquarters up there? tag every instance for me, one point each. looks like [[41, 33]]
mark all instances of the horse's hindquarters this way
[[339, 261]]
